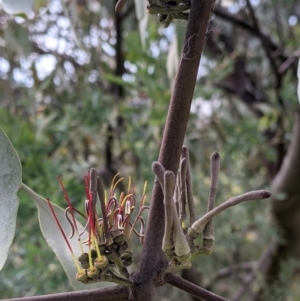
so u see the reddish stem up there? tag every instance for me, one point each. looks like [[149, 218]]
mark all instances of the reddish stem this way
[[66, 197], [59, 226]]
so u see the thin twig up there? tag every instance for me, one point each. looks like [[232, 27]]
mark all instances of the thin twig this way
[[261, 265], [289, 61], [264, 44], [222, 13], [232, 269]]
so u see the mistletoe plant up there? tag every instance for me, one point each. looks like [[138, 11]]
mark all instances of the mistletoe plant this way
[[101, 250]]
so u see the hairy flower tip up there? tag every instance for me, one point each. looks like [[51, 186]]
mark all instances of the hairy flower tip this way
[[215, 156], [266, 194]]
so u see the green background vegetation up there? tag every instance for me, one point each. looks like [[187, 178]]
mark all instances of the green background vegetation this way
[[97, 106]]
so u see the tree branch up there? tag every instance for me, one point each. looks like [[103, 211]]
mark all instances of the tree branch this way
[[265, 46], [191, 288], [287, 179], [285, 209], [152, 258], [232, 269], [116, 293], [220, 12]]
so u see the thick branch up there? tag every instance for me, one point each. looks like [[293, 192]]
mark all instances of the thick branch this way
[[153, 259], [286, 209], [287, 179], [116, 293]]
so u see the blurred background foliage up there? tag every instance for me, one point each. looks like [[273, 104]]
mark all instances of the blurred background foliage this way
[[78, 90]]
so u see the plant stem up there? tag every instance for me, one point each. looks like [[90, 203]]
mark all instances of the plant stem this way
[[116, 293], [152, 258], [191, 288]]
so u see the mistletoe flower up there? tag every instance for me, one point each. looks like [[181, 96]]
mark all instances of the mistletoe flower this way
[[108, 243]]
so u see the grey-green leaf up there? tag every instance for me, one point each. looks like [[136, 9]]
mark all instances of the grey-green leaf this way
[[142, 16], [55, 238], [10, 182], [16, 6], [175, 48]]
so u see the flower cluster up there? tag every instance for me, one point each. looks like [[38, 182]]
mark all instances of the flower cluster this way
[[109, 237], [179, 243]]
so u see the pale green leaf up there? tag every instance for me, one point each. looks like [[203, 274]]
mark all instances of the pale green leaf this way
[[142, 17], [10, 182], [175, 49], [16, 6], [172, 59], [56, 240], [180, 34], [17, 39], [23, 8]]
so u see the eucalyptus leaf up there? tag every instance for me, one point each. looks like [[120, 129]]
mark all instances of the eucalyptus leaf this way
[[142, 17], [16, 6], [16, 38], [10, 182], [172, 59], [23, 8], [180, 34], [174, 52], [56, 240]]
